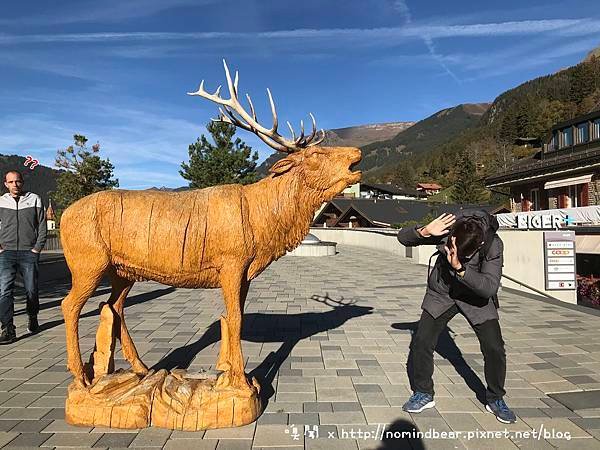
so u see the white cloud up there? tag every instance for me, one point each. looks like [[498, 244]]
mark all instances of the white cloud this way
[[518, 58], [146, 147], [413, 30], [104, 11], [402, 7]]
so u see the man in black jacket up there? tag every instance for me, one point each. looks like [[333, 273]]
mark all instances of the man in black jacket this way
[[465, 279], [22, 238]]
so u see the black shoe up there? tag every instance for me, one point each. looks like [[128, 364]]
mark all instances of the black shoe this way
[[9, 335], [33, 326]]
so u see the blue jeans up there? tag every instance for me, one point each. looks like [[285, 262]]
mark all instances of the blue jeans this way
[[26, 262]]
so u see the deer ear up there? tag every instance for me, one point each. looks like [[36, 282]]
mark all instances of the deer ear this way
[[283, 165]]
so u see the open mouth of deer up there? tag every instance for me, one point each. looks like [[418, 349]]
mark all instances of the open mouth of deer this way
[[356, 173]]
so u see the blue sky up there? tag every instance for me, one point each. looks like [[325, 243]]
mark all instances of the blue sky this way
[[118, 71]]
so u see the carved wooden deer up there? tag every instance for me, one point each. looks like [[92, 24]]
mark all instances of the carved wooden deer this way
[[222, 236]]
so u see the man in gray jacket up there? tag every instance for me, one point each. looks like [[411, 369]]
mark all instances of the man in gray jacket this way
[[22, 238], [465, 279]]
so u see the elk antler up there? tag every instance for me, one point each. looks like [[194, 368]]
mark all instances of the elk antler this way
[[271, 137]]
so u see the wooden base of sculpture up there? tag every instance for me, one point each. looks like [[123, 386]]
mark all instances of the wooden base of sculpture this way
[[174, 400]]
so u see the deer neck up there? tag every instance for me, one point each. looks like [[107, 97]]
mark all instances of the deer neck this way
[[281, 211]]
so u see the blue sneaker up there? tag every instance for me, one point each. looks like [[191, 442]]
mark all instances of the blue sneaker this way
[[418, 402], [501, 411]]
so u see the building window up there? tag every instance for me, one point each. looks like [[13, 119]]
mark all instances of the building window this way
[[553, 142], [573, 196], [566, 137], [582, 133], [596, 129], [534, 197]]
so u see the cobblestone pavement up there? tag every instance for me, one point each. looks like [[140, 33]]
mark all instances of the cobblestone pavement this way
[[323, 357]]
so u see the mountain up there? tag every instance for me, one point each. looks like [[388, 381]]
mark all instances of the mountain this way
[[364, 134], [40, 180], [348, 137], [422, 137], [168, 189], [529, 110]]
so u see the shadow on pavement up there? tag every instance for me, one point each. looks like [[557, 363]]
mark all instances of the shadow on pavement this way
[[447, 349], [288, 329], [399, 435]]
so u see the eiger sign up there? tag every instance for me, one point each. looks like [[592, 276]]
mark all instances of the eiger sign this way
[[542, 221]]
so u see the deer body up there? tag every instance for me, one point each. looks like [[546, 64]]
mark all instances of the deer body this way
[[162, 236], [222, 236], [166, 237]]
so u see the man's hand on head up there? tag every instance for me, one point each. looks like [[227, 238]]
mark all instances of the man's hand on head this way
[[452, 254], [439, 226]]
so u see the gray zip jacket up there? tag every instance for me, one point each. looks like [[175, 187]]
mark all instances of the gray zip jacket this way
[[475, 294], [23, 224]]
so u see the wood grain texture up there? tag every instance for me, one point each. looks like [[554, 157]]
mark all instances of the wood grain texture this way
[[218, 237], [174, 400]]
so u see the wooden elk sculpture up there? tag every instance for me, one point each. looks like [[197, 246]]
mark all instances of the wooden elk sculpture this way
[[221, 236]]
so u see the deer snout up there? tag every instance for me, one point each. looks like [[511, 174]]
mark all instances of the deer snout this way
[[355, 156]]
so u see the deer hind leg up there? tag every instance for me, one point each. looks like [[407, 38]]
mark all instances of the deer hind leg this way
[[120, 289], [224, 356], [83, 286], [232, 283]]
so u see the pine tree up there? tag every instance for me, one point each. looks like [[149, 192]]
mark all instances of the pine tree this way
[[86, 172], [404, 175], [224, 162], [468, 187], [583, 82]]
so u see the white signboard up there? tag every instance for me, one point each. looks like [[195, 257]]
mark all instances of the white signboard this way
[[542, 221], [559, 260]]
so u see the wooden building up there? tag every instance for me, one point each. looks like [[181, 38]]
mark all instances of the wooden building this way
[[565, 173]]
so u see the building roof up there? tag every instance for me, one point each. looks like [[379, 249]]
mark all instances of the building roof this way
[[392, 189], [433, 186], [389, 212], [533, 141], [576, 120]]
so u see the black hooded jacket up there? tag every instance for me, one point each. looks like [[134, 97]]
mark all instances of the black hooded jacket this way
[[475, 293]]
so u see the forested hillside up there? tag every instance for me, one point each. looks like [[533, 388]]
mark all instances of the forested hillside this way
[[348, 137], [422, 137], [529, 110]]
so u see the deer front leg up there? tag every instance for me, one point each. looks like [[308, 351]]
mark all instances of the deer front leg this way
[[81, 290], [232, 283]]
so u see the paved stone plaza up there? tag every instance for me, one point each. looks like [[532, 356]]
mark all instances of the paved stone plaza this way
[[328, 339]]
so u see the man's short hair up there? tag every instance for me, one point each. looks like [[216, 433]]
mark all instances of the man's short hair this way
[[14, 171], [469, 236]]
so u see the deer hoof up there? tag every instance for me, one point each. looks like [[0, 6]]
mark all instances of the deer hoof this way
[[223, 366], [82, 381], [79, 383], [233, 381], [140, 368]]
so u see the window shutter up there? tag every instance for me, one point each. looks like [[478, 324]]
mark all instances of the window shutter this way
[[584, 200], [562, 200]]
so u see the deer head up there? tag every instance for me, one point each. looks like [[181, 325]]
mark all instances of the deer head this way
[[326, 170]]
